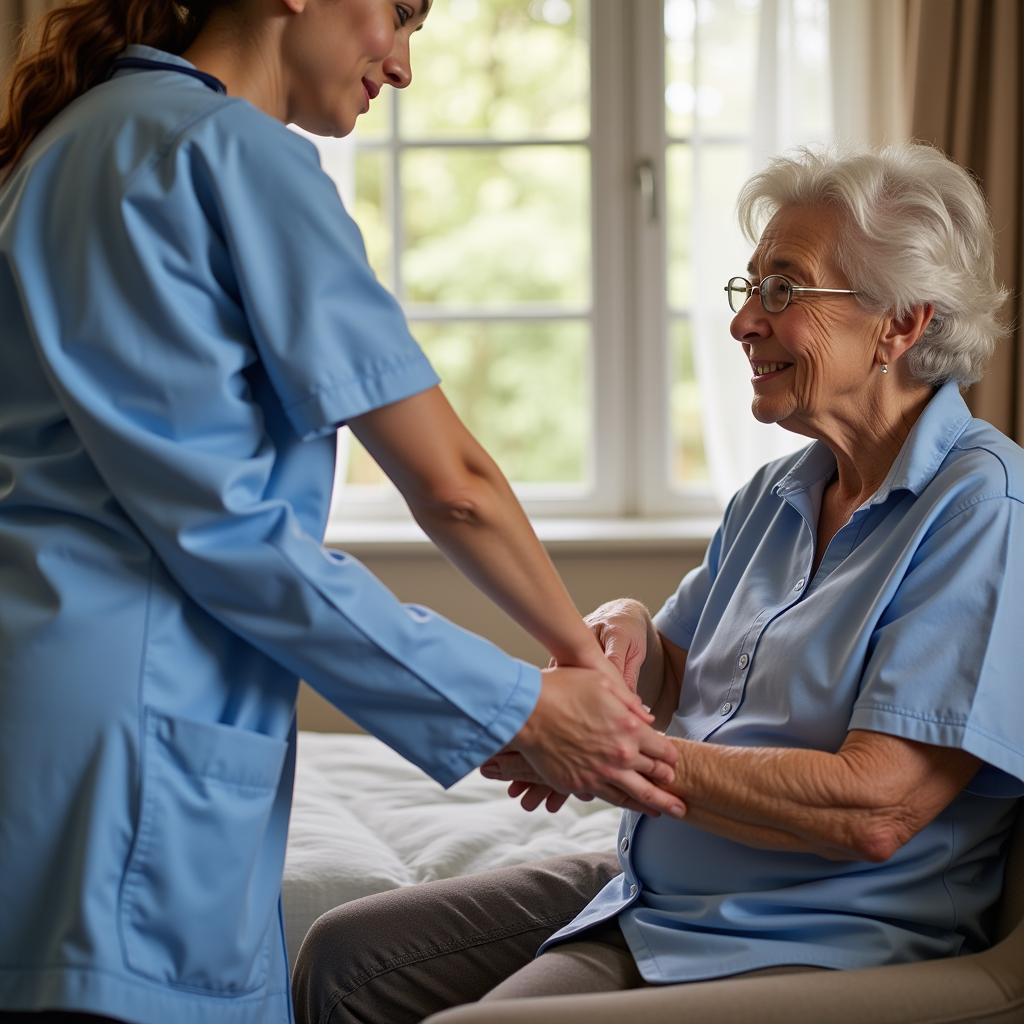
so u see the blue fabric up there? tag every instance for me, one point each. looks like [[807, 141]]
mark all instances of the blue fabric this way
[[911, 627], [187, 317]]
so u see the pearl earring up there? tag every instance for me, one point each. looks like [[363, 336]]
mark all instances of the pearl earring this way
[[884, 367]]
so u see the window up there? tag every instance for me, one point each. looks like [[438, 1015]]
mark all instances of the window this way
[[552, 202]]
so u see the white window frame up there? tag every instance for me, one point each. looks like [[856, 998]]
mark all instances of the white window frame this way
[[629, 314]]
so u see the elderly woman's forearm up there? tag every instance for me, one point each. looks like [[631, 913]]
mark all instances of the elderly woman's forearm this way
[[765, 837], [780, 799], [861, 803]]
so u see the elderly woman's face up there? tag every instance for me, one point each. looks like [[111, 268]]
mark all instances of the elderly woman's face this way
[[815, 358]]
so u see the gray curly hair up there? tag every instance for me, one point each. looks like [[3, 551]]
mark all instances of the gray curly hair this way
[[918, 231]]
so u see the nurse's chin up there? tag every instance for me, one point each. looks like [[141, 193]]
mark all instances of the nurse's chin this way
[[328, 128]]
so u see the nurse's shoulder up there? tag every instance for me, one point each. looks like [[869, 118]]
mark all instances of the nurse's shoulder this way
[[144, 118]]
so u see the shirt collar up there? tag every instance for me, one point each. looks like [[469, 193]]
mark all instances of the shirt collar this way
[[136, 57], [927, 445], [152, 53]]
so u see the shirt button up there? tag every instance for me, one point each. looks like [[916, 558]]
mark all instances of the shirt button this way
[[633, 890], [744, 660], [624, 845], [726, 708], [800, 583]]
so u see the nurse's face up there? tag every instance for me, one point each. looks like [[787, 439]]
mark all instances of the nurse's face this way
[[339, 54]]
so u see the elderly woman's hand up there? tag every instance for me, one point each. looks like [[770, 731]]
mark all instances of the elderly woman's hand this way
[[650, 663], [622, 627]]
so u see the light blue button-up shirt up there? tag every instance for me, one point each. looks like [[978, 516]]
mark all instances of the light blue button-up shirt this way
[[913, 626], [187, 316]]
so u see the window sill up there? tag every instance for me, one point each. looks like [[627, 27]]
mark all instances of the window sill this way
[[560, 536]]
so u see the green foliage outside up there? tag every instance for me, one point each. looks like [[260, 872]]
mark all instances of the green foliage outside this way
[[533, 411], [497, 227]]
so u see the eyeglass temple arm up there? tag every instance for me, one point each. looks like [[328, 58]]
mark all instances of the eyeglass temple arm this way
[[807, 288]]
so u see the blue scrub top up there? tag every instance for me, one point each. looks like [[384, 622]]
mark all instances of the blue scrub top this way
[[187, 317], [912, 626]]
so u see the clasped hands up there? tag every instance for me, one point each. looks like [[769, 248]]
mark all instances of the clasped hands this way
[[590, 733]]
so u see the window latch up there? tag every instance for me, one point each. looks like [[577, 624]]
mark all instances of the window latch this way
[[646, 181]]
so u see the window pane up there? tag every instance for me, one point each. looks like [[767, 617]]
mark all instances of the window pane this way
[[704, 183], [492, 227], [372, 210], [680, 98], [689, 463], [523, 389], [679, 188], [722, 170], [500, 69], [811, 88], [706, 38], [362, 470], [375, 124]]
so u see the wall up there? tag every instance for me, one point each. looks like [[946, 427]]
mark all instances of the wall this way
[[649, 574]]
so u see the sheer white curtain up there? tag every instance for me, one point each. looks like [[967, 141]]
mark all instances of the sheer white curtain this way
[[826, 72], [338, 159]]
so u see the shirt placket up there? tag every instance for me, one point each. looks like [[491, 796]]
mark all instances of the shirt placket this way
[[747, 648]]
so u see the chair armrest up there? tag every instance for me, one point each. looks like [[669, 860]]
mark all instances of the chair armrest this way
[[984, 987]]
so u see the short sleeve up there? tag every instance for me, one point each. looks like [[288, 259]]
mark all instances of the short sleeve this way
[[678, 617], [947, 655], [334, 341]]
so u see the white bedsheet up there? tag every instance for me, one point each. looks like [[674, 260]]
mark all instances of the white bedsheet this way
[[364, 821]]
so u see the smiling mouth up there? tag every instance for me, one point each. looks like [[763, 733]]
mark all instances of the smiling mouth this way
[[370, 90], [762, 370]]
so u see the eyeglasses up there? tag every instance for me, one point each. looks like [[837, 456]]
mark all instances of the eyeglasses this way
[[775, 290]]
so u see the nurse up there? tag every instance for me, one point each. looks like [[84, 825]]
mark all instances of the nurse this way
[[188, 317]]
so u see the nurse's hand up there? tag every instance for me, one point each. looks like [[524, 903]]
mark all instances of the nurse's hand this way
[[590, 735], [533, 794]]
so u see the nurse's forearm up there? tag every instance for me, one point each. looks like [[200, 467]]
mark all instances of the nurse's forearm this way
[[462, 500], [861, 803], [486, 535]]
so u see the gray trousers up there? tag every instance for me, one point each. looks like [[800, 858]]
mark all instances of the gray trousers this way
[[400, 956]]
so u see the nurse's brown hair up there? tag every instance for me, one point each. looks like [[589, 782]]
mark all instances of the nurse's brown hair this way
[[71, 49]]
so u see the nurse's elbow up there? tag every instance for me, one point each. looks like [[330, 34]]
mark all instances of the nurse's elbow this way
[[464, 508], [466, 498]]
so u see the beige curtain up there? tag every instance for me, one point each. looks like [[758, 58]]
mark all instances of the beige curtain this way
[[966, 95], [14, 16]]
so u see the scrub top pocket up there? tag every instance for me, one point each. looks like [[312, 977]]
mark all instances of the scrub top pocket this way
[[198, 902]]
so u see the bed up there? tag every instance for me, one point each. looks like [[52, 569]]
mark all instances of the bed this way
[[364, 820]]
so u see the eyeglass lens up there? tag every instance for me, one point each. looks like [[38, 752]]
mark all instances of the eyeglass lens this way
[[775, 292], [738, 289]]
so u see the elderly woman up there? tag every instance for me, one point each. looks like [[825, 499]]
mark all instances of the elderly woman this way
[[838, 674]]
